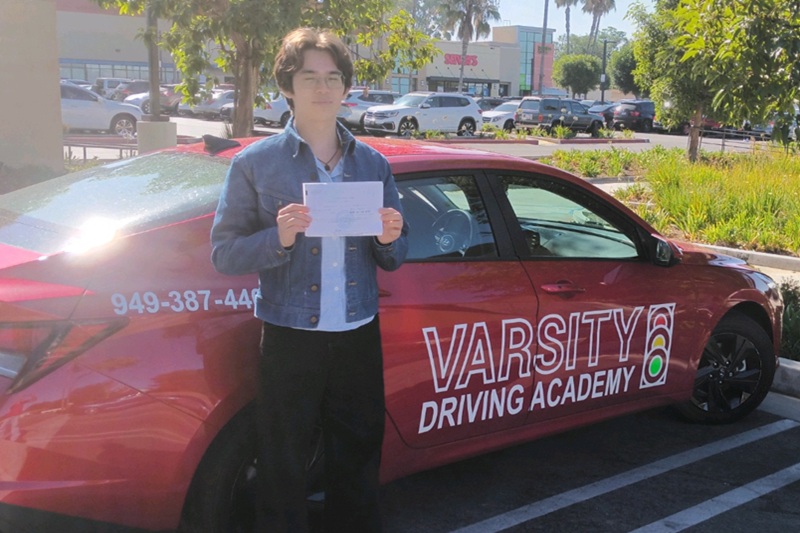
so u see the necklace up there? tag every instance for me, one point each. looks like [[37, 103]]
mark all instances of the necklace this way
[[327, 164]]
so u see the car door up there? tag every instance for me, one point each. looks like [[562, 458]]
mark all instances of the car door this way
[[429, 114], [81, 109], [456, 318], [580, 118], [612, 326]]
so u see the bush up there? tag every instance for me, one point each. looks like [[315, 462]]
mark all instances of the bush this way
[[790, 341]]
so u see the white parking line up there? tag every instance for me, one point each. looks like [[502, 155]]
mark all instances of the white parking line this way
[[592, 490], [723, 502]]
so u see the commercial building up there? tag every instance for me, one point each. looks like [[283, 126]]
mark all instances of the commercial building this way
[[96, 43]]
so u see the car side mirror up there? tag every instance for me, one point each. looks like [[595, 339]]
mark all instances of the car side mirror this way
[[661, 252], [424, 105]]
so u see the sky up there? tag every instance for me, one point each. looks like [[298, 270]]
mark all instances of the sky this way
[[531, 13]]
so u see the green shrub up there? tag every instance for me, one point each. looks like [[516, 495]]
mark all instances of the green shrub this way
[[790, 341], [561, 132]]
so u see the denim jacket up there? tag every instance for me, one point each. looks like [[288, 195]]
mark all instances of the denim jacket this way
[[262, 179]]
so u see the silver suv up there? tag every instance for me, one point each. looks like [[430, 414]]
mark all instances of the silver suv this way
[[358, 100], [547, 113], [425, 111]]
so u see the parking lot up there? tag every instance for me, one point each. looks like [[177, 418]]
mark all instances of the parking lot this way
[[648, 472]]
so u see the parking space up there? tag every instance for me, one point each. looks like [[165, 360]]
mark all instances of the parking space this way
[[646, 472]]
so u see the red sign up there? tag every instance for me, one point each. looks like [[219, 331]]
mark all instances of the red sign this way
[[455, 59]]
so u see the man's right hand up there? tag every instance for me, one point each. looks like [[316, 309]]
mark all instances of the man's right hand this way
[[292, 219]]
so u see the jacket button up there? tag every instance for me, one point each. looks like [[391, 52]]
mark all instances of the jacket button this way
[[314, 251], [314, 288], [314, 320], [352, 283]]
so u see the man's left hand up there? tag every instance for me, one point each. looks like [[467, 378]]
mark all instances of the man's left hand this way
[[392, 225]]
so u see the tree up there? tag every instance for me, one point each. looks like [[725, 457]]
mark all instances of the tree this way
[[242, 36], [597, 8], [622, 65], [580, 73], [680, 89], [567, 4], [583, 44], [747, 51], [406, 48], [469, 19]]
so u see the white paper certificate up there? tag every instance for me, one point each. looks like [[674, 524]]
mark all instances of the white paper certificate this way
[[344, 209]]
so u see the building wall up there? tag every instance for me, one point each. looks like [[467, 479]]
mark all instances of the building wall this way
[[488, 66], [30, 132]]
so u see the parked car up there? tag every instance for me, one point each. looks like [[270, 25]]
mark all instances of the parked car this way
[[271, 113], [607, 111], [548, 113], [487, 103], [502, 116], [104, 86], [83, 84], [169, 100], [531, 302], [635, 115], [82, 109], [210, 107], [425, 111], [358, 100], [127, 88]]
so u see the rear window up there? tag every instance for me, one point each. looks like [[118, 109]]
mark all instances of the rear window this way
[[131, 196], [530, 105]]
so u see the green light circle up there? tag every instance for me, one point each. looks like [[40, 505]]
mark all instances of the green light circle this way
[[656, 363]]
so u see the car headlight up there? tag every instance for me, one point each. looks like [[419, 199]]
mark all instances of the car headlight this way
[[495, 119], [392, 113]]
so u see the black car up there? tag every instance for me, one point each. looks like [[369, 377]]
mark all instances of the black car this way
[[607, 110], [635, 115]]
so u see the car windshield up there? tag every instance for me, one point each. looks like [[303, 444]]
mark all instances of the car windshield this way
[[508, 106], [129, 196], [411, 100]]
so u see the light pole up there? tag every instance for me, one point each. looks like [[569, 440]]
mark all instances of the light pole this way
[[544, 47], [603, 75]]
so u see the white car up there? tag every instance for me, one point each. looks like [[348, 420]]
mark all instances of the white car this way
[[358, 100], [85, 110], [210, 107], [502, 116], [425, 111], [275, 112]]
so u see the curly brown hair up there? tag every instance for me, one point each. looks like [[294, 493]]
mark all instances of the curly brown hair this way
[[290, 56]]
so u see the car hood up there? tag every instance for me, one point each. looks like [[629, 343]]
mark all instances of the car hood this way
[[120, 107], [697, 254], [493, 114], [391, 107]]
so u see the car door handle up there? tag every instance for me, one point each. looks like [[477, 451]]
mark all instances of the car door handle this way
[[563, 287]]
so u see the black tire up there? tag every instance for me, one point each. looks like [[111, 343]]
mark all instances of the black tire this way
[[647, 126], [407, 128], [467, 127], [285, 118], [734, 374], [594, 129], [509, 125], [222, 495], [123, 125], [146, 107]]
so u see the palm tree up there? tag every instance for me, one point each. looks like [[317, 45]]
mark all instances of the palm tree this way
[[597, 8], [470, 20], [567, 4]]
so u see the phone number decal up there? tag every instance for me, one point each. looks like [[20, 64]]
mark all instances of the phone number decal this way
[[182, 301]]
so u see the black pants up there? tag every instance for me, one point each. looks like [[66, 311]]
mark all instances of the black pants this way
[[334, 379]]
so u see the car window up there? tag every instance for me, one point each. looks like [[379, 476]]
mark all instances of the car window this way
[[433, 101], [557, 226], [530, 105], [552, 106], [73, 93], [130, 196], [508, 106], [446, 219]]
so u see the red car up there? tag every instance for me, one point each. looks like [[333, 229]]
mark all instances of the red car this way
[[531, 303]]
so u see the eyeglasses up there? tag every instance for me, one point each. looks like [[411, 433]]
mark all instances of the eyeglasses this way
[[331, 81]]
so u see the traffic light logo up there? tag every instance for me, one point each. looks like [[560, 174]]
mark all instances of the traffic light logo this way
[[660, 319]]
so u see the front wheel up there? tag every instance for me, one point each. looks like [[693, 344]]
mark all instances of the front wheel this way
[[594, 130], [285, 118], [407, 128], [124, 125], [734, 374]]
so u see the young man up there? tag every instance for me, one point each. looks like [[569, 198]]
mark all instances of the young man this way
[[321, 360]]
